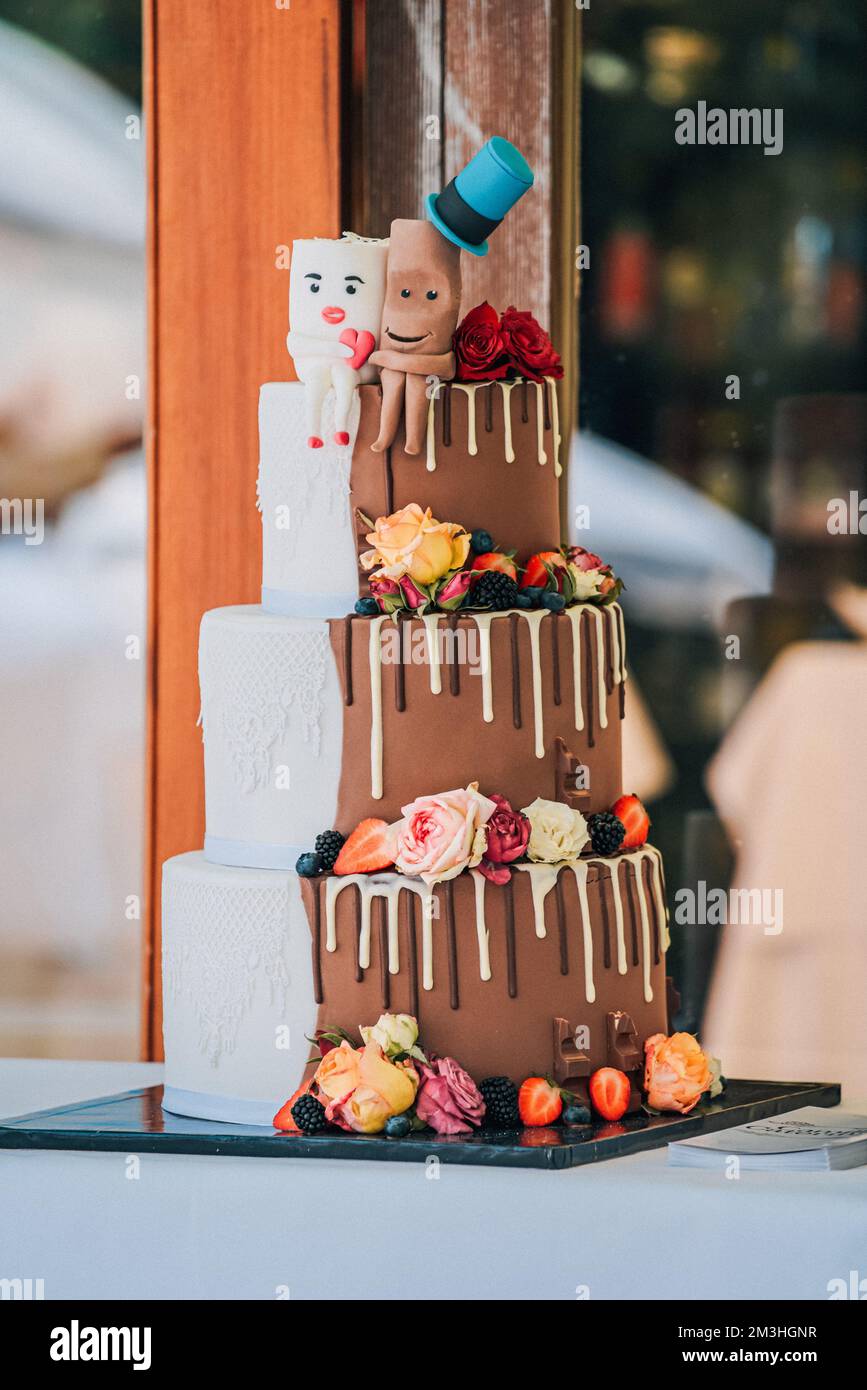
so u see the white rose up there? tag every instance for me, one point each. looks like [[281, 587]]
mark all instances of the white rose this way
[[395, 1033], [587, 583], [716, 1084], [556, 831]]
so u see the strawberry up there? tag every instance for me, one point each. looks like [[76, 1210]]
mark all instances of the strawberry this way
[[630, 811], [496, 560], [537, 576], [371, 846], [283, 1119], [609, 1092], [539, 1103]]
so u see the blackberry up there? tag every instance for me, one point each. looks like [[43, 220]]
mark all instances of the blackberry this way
[[367, 607], [308, 865], [398, 1126], [309, 1114], [494, 590], [482, 542], [606, 832], [501, 1101], [328, 845]]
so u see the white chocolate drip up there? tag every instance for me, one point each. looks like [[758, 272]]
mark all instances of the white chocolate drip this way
[[614, 638], [432, 635], [574, 616], [534, 617], [600, 665], [622, 626], [479, 882], [540, 422], [507, 387], [555, 426], [470, 388], [375, 662], [431, 428], [483, 623], [543, 877]]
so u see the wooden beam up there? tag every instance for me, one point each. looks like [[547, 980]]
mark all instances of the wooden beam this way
[[243, 116]]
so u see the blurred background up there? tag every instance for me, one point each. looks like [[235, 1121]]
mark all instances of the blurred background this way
[[723, 347], [72, 608]]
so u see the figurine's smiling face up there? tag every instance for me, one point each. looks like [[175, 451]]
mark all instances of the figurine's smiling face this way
[[336, 285], [424, 290]]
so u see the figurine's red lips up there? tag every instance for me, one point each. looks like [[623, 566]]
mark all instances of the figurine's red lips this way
[[333, 314], [396, 338]]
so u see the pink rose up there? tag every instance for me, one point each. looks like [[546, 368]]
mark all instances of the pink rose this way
[[508, 835], [413, 597], [442, 835], [448, 1099], [452, 593], [583, 559], [676, 1072]]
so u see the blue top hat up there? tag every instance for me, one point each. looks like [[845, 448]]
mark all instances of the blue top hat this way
[[475, 203]]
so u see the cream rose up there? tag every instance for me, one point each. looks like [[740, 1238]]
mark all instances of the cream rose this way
[[395, 1033], [556, 831], [413, 542], [587, 583], [442, 835]]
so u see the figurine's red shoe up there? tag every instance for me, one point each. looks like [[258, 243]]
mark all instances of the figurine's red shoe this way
[[341, 437], [314, 442]]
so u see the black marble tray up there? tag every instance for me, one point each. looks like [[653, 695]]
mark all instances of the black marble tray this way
[[134, 1121]]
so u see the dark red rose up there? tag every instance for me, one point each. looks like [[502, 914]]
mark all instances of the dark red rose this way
[[479, 346], [528, 346], [508, 835], [584, 559]]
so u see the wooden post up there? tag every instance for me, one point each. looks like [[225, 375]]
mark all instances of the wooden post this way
[[243, 107]]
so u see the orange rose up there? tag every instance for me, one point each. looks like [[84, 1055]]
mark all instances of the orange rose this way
[[363, 1089], [676, 1072], [413, 542]]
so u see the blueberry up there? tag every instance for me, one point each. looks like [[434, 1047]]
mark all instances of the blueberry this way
[[482, 542], [576, 1115], [367, 608], [523, 601], [398, 1126], [555, 602], [534, 594], [308, 865]]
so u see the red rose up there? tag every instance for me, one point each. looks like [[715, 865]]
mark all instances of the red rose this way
[[528, 346], [584, 559], [479, 346], [508, 835]]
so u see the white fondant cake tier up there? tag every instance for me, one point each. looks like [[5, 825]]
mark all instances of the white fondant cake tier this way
[[272, 722], [309, 566], [237, 990]]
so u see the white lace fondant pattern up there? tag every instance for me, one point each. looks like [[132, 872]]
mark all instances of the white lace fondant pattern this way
[[222, 939], [254, 680]]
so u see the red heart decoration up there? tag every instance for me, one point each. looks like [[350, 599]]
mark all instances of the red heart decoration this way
[[362, 343]]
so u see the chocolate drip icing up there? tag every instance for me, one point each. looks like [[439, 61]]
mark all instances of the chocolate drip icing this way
[[384, 981], [511, 964], [655, 915], [400, 668], [516, 671], [412, 941], [631, 890], [447, 415], [356, 935], [317, 943], [525, 401], [546, 407], [587, 644], [606, 924], [609, 658], [389, 482], [561, 927], [454, 665], [554, 626], [451, 937], [622, 689], [347, 662]]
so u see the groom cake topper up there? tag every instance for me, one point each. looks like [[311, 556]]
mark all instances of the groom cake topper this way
[[423, 284]]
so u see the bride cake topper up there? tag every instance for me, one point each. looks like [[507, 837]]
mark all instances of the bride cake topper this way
[[336, 292]]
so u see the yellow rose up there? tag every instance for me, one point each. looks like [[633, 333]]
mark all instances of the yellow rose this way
[[337, 1073], [363, 1089], [556, 831], [394, 1032], [413, 542]]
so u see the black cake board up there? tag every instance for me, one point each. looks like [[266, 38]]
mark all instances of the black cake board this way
[[135, 1121]]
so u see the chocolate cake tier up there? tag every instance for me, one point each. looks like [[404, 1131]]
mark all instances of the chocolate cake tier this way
[[526, 703], [491, 461], [559, 972]]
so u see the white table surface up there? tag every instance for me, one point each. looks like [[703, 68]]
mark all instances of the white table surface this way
[[256, 1228]]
